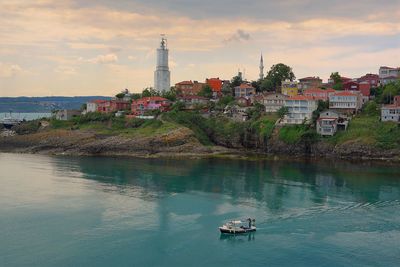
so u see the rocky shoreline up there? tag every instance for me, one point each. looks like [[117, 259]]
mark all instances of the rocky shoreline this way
[[180, 143]]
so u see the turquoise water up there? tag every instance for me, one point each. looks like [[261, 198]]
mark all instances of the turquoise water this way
[[61, 211]]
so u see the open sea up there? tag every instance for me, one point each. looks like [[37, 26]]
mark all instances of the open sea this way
[[100, 211]]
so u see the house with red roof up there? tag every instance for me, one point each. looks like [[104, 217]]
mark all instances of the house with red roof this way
[[369, 78], [347, 102], [215, 84], [300, 109], [140, 106], [189, 88], [319, 94]]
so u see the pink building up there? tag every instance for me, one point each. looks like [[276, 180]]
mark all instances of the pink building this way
[[140, 106]]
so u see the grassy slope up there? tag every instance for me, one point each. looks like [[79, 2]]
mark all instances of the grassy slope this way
[[369, 130], [119, 126]]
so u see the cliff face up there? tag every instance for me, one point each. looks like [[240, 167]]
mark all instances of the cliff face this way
[[180, 141]]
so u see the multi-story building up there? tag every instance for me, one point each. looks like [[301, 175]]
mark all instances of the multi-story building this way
[[289, 88], [319, 94], [327, 123], [215, 84], [272, 102], [140, 106], [346, 102], [189, 87], [300, 109], [371, 79], [309, 82], [388, 74], [244, 90], [391, 112]]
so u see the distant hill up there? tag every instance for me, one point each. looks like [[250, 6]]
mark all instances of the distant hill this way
[[44, 104]]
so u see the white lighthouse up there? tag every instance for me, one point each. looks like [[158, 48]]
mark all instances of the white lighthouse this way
[[162, 73]]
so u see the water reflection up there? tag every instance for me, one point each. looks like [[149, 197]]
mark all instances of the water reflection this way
[[237, 238], [272, 184]]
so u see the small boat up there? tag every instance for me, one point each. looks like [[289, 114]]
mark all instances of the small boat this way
[[239, 227]]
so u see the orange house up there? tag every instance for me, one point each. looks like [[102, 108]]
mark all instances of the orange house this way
[[215, 84]]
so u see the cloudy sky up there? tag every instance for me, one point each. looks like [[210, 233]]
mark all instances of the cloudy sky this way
[[88, 47]]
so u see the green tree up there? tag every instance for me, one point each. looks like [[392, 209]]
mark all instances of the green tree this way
[[236, 81], [206, 91], [136, 96], [256, 111], [170, 95], [267, 85], [371, 109], [225, 100], [337, 81], [256, 85], [282, 112], [120, 95], [389, 91], [322, 105], [227, 90], [276, 75]]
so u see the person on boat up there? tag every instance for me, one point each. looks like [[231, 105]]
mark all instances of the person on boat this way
[[249, 219]]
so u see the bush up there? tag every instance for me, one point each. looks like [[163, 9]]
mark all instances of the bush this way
[[371, 109], [134, 123], [292, 134], [27, 127]]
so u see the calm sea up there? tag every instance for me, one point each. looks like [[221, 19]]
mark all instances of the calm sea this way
[[64, 211], [26, 116]]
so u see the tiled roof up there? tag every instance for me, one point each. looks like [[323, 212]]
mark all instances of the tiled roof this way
[[301, 97], [390, 77], [152, 98], [244, 86], [345, 93], [185, 83]]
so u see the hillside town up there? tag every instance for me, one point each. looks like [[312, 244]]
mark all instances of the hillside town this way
[[297, 100], [327, 106]]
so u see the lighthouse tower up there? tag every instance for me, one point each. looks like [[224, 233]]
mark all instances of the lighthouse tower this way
[[162, 73], [261, 68]]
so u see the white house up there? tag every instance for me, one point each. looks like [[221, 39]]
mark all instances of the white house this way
[[346, 101], [391, 112], [388, 74], [327, 122], [300, 109]]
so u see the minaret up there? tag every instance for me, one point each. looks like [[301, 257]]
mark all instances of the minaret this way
[[162, 73], [261, 68]]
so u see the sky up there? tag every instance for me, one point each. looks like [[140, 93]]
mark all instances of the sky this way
[[71, 47]]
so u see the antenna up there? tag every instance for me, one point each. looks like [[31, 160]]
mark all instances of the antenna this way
[[163, 41]]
